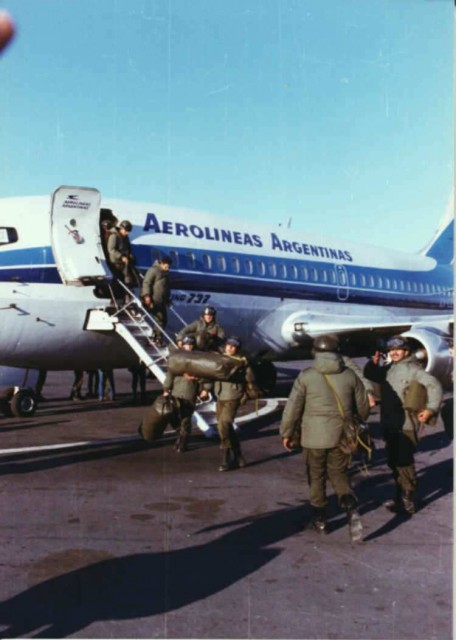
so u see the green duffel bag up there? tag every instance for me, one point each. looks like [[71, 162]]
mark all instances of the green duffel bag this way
[[157, 417], [201, 364], [415, 397]]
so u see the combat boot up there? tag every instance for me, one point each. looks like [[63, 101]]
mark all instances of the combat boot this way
[[395, 504], [181, 443], [226, 463], [319, 522], [355, 526], [408, 501], [238, 458]]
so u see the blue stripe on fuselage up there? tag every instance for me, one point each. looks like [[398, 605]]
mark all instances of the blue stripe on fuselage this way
[[37, 264], [190, 274]]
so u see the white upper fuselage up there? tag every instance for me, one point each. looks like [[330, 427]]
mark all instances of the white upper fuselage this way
[[270, 286]]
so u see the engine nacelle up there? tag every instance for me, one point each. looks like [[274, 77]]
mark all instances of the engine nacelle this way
[[437, 353]]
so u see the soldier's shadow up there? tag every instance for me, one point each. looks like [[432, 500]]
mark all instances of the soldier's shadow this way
[[147, 584], [434, 482]]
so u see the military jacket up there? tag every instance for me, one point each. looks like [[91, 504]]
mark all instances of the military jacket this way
[[118, 246], [235, 388], [312, 406], [182, 387], [394, 378], [156, 284], [208, 335]]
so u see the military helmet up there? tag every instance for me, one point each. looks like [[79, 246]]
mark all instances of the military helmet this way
[[210, 311], [189, 340], [234, 341], [326, 343], [126, 224], [397, 342]]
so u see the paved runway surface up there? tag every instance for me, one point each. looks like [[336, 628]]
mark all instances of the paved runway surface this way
[[122, 540]]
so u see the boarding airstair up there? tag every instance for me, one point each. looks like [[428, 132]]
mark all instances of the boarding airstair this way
[[136, 327]]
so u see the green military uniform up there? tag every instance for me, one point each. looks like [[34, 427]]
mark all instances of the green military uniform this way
[[208, 335], [156, 284], [312, 407], [229, 394], [400, 427], [186, 392]]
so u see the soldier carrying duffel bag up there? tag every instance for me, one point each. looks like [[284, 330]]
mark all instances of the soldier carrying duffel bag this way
[[185, 389]]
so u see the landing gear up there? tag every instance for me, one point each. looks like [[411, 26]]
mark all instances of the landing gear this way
[[21, 403]]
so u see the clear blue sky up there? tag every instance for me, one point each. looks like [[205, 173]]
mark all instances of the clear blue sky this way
[[336, 113]]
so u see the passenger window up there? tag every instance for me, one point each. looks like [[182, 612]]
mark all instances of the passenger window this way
[[362, 278], [380, 282], [304, 273], [261, 268], [191, 260], [8, 235], [352, 279], [294, 272], [221, 263], [314, 274], [207, 262], [371, 281], [235, 265], [324, 275], [248, 265], [342, 278], [282, 270], [175, 258], [272, 269]]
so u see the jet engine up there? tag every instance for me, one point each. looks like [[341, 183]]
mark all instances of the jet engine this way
[[433, 348]]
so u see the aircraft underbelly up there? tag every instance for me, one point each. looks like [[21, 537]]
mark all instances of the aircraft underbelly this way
[[47, 330]]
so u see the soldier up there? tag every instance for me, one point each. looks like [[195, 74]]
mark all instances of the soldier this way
[[313, 406], [156, 294], [208, 333], [229, 395], [121, 257], [186, 389], [401, 427]]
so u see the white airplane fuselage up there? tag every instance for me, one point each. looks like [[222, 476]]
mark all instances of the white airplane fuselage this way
[[274, 288]]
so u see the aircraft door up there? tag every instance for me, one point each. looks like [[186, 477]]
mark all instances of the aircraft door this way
[[75, 233], [342, 282]]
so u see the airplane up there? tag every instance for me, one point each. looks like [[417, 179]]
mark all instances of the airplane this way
[[275, 288]]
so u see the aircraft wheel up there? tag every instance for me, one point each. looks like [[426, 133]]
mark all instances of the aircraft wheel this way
[[23, 404]]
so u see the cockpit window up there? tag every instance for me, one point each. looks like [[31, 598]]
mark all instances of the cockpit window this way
[[8, 235]]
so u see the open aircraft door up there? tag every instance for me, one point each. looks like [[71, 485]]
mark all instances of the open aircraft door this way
[[75, 233]]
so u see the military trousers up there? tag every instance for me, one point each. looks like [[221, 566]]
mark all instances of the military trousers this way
[[324, 464], [226, 413], [160, 314], [400, 449], [182, 421]]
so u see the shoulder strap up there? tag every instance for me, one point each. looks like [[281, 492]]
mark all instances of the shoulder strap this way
[[331, 386]]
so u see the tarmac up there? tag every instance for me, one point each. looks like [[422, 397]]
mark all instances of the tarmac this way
[[112, 538]]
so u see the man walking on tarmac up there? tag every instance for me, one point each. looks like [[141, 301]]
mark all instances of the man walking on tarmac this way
[[186, 389], [229, 394], [401, 426], [313, 406]]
